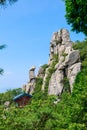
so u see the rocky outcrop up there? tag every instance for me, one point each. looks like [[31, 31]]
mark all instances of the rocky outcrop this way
[[30, 86], [32, 73], [41, 72], [68, 64]]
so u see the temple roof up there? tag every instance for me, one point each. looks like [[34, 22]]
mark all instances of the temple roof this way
[[22, 95]]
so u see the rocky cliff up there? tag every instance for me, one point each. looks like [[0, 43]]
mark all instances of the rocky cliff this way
[[62, 68], [67, 66]]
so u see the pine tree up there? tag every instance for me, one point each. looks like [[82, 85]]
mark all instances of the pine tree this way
[[76, 15]]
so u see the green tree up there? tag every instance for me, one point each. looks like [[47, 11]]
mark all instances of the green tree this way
[[76, 15], [4, 2]]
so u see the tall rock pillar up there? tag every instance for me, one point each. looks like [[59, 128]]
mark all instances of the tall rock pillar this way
[[30, 86]]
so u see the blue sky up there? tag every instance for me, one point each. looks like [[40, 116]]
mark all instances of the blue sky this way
[[26, 28]]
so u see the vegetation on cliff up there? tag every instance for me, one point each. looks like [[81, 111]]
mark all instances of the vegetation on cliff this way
[[42, 113]]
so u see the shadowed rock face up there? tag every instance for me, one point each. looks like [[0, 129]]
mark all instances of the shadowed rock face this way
[[68, 62]]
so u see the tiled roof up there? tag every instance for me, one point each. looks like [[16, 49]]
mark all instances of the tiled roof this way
[[21, 95]]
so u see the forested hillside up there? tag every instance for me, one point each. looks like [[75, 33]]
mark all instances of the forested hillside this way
[[42, 113]]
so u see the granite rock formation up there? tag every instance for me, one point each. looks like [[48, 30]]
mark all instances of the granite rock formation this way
[[68, 64], [30, 86]]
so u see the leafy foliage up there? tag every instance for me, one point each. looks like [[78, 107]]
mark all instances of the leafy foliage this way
[[8, 96], [45, 66], [82, 47], [76, 15], [1, 71], [4, 2], [2, 46], [66, 85]]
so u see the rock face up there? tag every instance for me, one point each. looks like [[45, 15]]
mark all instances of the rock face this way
[[30, 86], [72, 72], [68, 64], [41, 72], [32, 73], [44, 79], [56, 84]]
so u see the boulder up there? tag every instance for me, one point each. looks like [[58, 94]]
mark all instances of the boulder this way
[[7, 104], [57, 101], [73, 57]]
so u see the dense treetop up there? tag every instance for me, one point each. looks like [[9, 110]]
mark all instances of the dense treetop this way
[[4, 2], [76, 15]]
